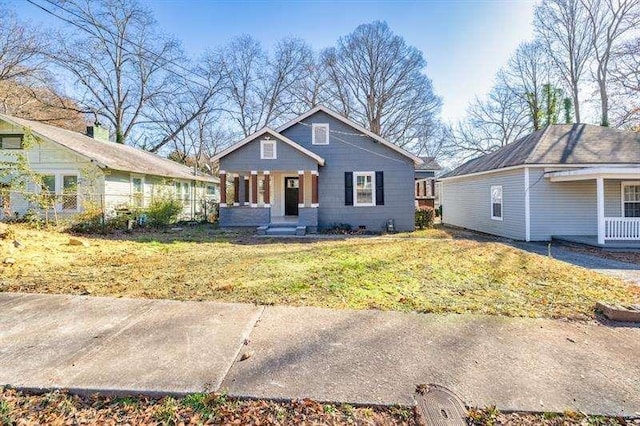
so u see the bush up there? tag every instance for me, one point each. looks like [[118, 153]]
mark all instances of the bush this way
[[89, 221], [163, 211], [425, 217]]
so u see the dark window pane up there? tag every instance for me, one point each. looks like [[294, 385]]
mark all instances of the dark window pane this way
[[497, 210], [632, 209]]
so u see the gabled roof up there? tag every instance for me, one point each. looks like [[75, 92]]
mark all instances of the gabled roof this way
[[565, 144], [110, 155], [356, 126], [428, 164], [273, 133]]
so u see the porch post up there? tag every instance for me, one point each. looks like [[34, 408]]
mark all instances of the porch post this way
[[314, 189], [236, 190], [600, 205], [254, 188], [267, 198], [300, 188], [223, 188], [246, 190]]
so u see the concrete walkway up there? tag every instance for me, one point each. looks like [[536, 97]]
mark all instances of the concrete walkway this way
[[159, 346]]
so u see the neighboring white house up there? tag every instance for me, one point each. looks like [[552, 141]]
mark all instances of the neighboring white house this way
[[574, 182], [117, 176]]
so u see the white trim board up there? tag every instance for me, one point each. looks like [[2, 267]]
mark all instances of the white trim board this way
[[521, 166]]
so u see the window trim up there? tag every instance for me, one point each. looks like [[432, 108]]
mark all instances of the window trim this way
[[12, 135], [263, 142], [313, 133], [622, 201], [355, 189], [501, 217]]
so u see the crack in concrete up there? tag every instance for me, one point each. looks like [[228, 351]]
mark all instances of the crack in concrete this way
[[244, 337]]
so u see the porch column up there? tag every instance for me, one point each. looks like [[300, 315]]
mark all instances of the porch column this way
[[223, 188], [314, 189], [300, 188], [600, 204], [267, 198], [236, 190], [246, 190], [254, 188]]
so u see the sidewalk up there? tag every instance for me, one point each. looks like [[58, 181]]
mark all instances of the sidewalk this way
[[160, 346]]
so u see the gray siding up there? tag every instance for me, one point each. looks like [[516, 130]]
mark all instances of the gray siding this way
[[247, 158], [244, 216], [568, 208], [349, 152], [466, 202]]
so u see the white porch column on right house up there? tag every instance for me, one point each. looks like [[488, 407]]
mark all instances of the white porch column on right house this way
[[600, 207]]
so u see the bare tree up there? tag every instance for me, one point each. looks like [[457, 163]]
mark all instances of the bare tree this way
[[562, 26], [174, 112], [260, 87], [378, 81], [20, 49], [118, 60], [526, 74], [491, 123], [625, 78], [609, 21], [313, 89]]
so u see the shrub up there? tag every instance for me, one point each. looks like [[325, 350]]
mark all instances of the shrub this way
[[163, 211], [425, 217], [89, 221]]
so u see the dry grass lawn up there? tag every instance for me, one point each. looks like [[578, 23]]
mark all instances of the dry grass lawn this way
[[427, 271]]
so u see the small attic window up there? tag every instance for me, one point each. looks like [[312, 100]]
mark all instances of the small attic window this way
[[320, 134], [11, 141], [268, 149]]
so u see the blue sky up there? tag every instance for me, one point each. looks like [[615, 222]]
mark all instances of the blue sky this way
[[463, 41]]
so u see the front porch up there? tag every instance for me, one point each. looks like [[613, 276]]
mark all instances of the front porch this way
[[276, 202], [617, 214]]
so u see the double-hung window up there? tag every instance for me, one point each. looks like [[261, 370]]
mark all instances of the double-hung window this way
[[364, 188], [496, 202], [631, 199]]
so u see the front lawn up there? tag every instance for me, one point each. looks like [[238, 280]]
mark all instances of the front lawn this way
[[428, 271]]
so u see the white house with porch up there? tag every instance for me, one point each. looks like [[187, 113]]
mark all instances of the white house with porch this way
[[578, 183]]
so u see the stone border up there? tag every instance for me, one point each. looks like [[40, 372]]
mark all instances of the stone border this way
[[620, 313]]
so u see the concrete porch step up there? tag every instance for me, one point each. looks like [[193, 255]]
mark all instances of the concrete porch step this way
[[281, 230]]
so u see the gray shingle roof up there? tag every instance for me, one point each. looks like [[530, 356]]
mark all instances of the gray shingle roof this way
[[561, 144], [428, 163], [110, 154]]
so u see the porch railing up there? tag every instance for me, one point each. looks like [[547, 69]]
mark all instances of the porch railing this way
[[622, 228]]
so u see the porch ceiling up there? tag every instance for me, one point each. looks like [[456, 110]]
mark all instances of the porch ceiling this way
[[589, 173]]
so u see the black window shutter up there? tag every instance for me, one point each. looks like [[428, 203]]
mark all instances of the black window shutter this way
[[379, 189], [348, 188]]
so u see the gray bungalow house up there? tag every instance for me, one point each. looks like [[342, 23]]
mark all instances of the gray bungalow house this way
[[317, 170], [573, 182]]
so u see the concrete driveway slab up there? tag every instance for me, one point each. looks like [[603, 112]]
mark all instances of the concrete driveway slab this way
[[379, 357], [119, 344]]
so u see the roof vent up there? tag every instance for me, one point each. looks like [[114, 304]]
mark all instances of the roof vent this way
[[98, 132]]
